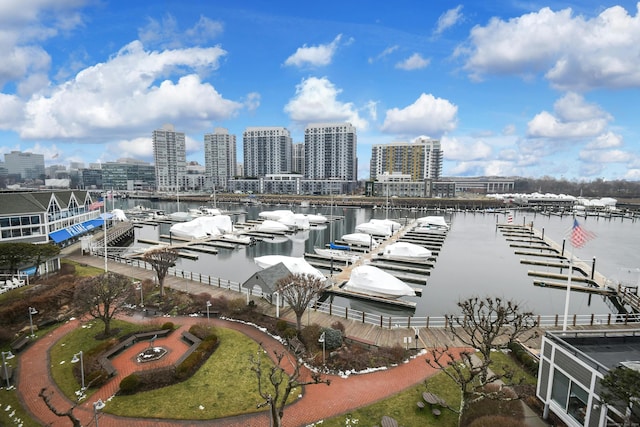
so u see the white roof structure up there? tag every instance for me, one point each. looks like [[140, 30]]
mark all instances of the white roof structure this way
[[296, 265]]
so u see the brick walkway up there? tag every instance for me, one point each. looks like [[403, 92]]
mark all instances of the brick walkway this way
[[318, 402]]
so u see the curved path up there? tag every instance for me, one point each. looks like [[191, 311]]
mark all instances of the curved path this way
[[319, 401]]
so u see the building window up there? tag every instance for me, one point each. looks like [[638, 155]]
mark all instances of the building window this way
[[570, 396]]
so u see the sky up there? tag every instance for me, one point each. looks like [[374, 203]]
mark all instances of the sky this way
[[511, 88]]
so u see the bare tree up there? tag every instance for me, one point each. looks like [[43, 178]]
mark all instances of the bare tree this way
[[161, 260], [102, 297], [46, 396], [485, 325], [298, 290], [275, 385]]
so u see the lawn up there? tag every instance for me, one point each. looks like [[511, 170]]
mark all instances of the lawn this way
[[224, 386]]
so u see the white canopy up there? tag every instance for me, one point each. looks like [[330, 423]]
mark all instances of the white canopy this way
[[296, 265]]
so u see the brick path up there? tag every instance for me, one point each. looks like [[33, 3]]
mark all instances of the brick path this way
[[318, 402]]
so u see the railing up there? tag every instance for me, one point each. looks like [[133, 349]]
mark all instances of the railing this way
[[390, 322]]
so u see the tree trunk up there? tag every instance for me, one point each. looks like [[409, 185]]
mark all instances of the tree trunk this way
[[299, 321], [161, 283], [107, 326], [276, 421]]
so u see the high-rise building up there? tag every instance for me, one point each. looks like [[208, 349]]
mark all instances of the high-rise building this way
[[169, 154], [422, 159], [297, 158], [220, 157], [330, 151], [267, 151], [26, 165]]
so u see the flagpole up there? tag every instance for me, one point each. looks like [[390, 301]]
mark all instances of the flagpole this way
[[566, 301], [104, 223]]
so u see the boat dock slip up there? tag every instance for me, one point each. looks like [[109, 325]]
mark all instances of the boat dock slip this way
[[577, 288], [334, 290], [406, 267], [562, 277]]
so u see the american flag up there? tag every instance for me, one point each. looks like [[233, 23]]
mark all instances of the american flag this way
[[580, 236], [96, 205], [509, 218]]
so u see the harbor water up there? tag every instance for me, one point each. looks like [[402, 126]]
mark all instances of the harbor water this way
[[475, 259]]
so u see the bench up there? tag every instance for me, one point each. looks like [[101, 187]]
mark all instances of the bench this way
[[195, 342], [20, 344], [104, 359], [361, 342], [436, 412], [420, 405], [387, 421]]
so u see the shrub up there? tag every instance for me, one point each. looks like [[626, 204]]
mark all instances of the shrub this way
[[201, 330], [281, 325], [237, 305], [332, 338], [129, 384], [168, 325], [496, 421], [309, 337], [524, 358], [338, 326], [289, 332], [67, 268]]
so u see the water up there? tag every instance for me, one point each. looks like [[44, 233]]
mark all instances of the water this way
[[475, 260]]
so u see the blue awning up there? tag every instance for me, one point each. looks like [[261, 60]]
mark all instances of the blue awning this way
[[77, 229]]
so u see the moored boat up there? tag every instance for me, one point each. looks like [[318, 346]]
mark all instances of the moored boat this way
[[404, 251], [370, 280]]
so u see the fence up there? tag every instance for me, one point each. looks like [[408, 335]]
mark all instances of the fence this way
[[389, 322]]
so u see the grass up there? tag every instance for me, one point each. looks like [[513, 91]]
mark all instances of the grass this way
[[224, 386], [403, 408], [12, 412], [83, 270]]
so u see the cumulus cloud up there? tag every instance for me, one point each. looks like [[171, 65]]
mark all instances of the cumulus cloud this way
[[605, 141], [315, 56], [127, 93], [573, 118], [414, 62], [605, 156], [427, 115], [448, 19], [573, 52], [466, 149], [388, 51], [252, 101], [316, 100]]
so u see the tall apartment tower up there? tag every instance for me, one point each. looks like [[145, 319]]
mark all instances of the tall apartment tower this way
[[422, 159], [220, 157], [298, 158], [267, 150], [27, 165], [169, 154], [330, 151]]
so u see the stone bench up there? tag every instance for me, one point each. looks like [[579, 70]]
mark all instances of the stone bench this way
[[20, 344]]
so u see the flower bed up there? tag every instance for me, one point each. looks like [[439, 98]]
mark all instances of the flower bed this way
[[151, 354]]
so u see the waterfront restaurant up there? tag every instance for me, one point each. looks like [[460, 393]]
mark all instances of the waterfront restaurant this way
[[572, 364]]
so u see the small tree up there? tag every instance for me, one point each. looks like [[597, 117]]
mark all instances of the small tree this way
[[621, 388], [486, 325], [298, 290], [161, 260], [275, 385], [102, 297]]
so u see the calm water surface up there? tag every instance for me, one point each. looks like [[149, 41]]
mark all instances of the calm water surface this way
[[475, 260]]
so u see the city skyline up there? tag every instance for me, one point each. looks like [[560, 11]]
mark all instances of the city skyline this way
[[510, 88]]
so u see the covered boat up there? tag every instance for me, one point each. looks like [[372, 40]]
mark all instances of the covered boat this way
[[275, 215], [270, 226], [405, 251], [316, 219], [394, 225], [299, 221], [376, 229], [296, 265], [370, 280], [338, 252], [433, 221], [363, 239], [202, 227]]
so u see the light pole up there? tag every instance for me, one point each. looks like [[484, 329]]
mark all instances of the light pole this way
[[208, 305], [139, 288], [322, 339], [32, 311], [80, 357], [6, 355], [97, 406]]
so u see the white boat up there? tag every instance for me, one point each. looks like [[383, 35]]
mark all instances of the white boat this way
[[202, 227], [433, 221], [394, 225], [298, 221], [180, 216], [316, 219], [338, 254], [360, 239], [237, 238], [370, 280], [404, 251], [270, 226], [274, 215], [204, 211], [296, 265], [374, 229]]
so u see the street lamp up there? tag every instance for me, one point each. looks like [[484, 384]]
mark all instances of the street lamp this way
[[97, 406], [139, 288], [79, 357], [322, 339], [208, 305], [32, 311], [6, 355]]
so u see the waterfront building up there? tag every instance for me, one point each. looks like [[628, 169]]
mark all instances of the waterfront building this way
[[128, 174], [298, 158], [330, 151], [169, 154], [290, 184], [196, 178], [219, 157], [25, 166], [479, 185], [421, 159], [92, 178], [572, 365], [399, 185], [267, 150]]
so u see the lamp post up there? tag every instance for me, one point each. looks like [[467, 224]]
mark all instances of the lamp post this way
[[6, 355], [322, 339], [97, 406], [208, 305], [139, 288], [80, 357], [32, 311]]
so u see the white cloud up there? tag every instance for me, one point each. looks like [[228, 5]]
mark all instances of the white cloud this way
[[11, 111], [574, 52], [465, 150], [314, 56], [605, 156], [129, 93], [448, 19], [316, 100], [427, 115], [252, 101], [137, 148], [414, 62], [574, 118], [167, 34], [606, 140], [388, 51]]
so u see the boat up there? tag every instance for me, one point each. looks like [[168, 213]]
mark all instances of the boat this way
[[297, 221], [180, 216], [275, 215], [362, 239], [203, 227], [376, 229], [338, 252], [316, 219], [370, 280], [404, 251], [394, 225], [270, 226], [433, 221], [296, 265], [238, 238]]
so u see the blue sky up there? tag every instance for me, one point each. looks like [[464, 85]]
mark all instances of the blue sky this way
[[510, 87]]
